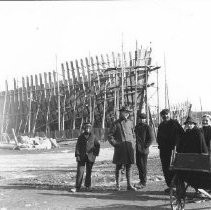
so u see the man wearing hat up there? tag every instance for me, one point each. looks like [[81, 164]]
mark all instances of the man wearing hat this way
[[87, 148], [193, 139], [169, 134], [121, 137], [144, 138], [206, 129]]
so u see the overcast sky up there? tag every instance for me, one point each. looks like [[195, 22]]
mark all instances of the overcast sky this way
[[32, 33]]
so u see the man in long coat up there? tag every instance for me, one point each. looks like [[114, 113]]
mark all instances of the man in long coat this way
[[169, 134], [87, 148], [144, 138], [121, 137]]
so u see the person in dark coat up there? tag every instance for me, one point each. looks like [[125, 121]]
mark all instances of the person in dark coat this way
[[121, 137], [169, 134], [144, 138], [87, 148], [206, 129], [193, 139], [192, 142]]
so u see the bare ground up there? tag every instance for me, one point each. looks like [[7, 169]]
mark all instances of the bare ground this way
[[42, 179]]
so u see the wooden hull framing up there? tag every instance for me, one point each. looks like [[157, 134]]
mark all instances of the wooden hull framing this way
[[86, 90]]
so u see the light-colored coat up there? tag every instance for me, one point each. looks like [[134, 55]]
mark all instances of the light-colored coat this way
[[121, 137]]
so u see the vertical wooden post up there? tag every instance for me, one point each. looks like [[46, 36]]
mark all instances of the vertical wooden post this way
[[46, 86], [90, 89], [104, 106], [146, 91], [34, 103], [15, 105], [86, 107], [98, 73], [68, 77], [58, 95], [24, 105], [74, 92], [64, 94], [78, 72], [132, 79], [116, 108], [108, 61], [123, 75], [136, 83], [94, 89], [158, 102], [48, 105], [54, 83], [114, 60], [103, 63], [36, 82], [24, 93], [4, 108], [29, 101], [42, 92], [79, 89]]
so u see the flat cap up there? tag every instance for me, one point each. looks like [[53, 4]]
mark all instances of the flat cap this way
[[125, 109], [164, 111], [190, 120], [141, 115], [86, 124], [207, 116]]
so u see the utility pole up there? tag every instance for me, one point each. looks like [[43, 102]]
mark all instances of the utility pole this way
[[167, 104]]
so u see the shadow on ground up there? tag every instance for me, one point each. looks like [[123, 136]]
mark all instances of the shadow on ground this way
[[126, 207]]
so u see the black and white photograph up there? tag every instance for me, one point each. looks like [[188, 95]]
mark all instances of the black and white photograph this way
[[105, 105]]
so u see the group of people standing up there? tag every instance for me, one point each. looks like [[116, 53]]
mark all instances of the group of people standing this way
[[132, 145], [188, 139]]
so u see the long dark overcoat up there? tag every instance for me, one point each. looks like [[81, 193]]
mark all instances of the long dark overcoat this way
[[89, 147], [192, 142], [169, 134], [121, 137], [144, 137]]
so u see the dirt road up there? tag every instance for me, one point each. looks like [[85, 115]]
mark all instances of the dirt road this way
[[40, 180]]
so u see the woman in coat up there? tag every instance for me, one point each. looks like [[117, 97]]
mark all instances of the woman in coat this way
[[193, 139]]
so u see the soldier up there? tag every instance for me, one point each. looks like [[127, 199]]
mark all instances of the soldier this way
[[121, 137], [169, 134], [87, 148], [144, 138]]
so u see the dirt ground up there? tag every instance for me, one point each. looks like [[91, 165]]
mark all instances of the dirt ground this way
[[42, 179]]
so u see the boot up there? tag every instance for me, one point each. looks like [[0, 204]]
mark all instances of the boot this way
[[128, 175], [117, 176]]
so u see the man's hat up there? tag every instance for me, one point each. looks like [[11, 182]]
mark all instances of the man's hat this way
[[164, 111], [141, 115], [207, 116], [190, 120], [125, 109], [87, 124]]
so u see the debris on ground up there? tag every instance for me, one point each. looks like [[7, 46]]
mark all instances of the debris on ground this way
[[35, 143]]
